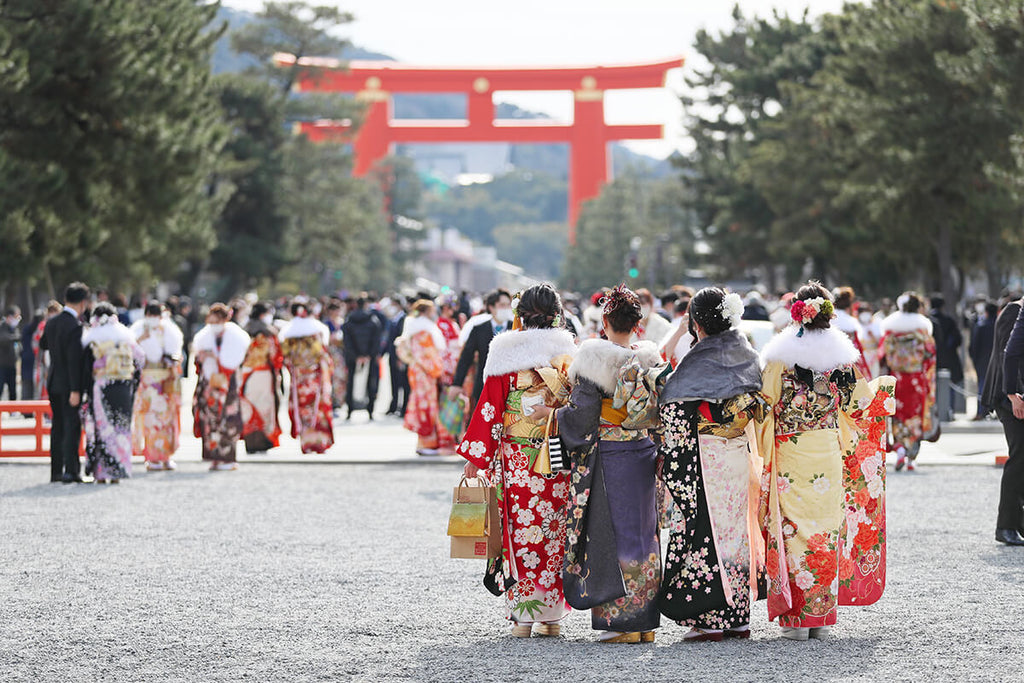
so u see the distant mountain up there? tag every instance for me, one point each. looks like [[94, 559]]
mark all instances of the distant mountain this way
[[552, 159]]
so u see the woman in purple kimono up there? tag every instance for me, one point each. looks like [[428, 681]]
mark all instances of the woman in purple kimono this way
[[613, 553]]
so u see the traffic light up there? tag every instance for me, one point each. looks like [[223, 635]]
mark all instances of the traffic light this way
[[631, 265]]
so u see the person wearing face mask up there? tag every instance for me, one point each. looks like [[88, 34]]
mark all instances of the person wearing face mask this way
[[157, 415], [422, 346], [9, 339], [260, 383], [219, 348], [477, 343]]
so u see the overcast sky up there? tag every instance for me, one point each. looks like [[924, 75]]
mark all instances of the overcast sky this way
[[555, 32]]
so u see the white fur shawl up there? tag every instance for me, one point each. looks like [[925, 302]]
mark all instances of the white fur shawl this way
[[657, 328], [477, 319], [305, 327], [233, 347], [900, 322], [112, 331], [416, 324], [526, 349], [817, 350], [847, 323], [164, 340], [599, 361]]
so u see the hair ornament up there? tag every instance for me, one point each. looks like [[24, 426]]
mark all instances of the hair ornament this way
[[731, 309]]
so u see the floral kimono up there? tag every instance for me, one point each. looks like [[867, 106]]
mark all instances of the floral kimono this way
[[423, 345], [216, 407], [110, 361], [450, 351], [304, 345], [814, 392], [862, 554], [259, 388], [907, 352], [157, 423], [41, 368], [339, 380], [706, 405], [524, 368], [613, 551]]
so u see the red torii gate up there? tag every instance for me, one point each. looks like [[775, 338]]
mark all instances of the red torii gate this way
[[588, 135]]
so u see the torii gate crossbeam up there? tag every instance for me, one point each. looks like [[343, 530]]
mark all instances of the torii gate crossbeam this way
[[588, 135]]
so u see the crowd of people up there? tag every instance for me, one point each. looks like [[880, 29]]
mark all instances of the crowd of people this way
[[767, 469]]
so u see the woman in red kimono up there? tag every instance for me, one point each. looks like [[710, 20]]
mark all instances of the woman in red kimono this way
[[450, 329], [525, 368], [260, 382], [907, 351], [422, 343], [304, 343], [850, 326]]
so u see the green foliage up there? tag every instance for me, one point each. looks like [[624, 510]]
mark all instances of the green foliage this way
[[108, 135]]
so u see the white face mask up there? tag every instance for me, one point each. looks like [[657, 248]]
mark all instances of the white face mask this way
[[267, 318], [980, 308], [503, 315], [13, 321], [217, 328], [152, 322], [645, 311], [864, 316]]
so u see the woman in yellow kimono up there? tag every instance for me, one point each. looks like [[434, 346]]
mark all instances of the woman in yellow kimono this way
[[813, 390]]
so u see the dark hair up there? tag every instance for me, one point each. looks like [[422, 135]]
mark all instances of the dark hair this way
[[491, 300], [12, 310], [991, 309], [937, 301], [812, 290], [682, 304], [668, 297], [259, 308], [622, 308], [912, 304], [104, 308], [76, 292], [154, 308], [706, 310], [538, 306], [844, 297], [297, 306]]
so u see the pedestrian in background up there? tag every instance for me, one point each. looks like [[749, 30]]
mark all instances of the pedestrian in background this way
[[260, 382], [157, 422], [62, 337], [304, 341], [111, 359], [363, 335], [980, 348], [476, 338], [10, 336], [397, 368], [948, 341]]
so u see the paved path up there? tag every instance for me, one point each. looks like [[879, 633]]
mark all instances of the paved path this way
[[303, 572]]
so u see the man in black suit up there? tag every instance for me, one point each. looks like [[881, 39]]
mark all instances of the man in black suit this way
[[362, 335], [947, 349], [499, 307], [1010, 408], [62, 337]]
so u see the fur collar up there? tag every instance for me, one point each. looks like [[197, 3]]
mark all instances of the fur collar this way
[[846, 323], [233, 346], [657, 328], [165, 340], [817, 350], [599, 361], [415, 324], [526, 349], [112, 331], [305, 327], [471, 324], [900, 322]]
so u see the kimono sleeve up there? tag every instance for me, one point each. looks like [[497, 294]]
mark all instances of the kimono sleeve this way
[[579, 419], [483, 435], [771, 391], [427, 356]]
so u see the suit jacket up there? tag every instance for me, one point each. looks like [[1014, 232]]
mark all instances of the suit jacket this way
[[1013, 355], [62, 337], [993, 395], [477, 346]]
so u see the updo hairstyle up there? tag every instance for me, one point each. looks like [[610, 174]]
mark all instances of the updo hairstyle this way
[[622, 308], [844, 298], [812, 290], [706, 310], [911, 302], [538, 307]]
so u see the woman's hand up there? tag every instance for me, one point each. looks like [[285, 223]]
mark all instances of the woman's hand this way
[[470, 470], [541, 412]]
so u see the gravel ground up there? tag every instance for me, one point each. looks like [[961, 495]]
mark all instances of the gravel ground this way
[[312, 572]]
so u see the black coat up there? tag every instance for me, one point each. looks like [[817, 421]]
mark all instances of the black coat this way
[[1013, 358], [947, 345], [62, 337], [994, 395], [362, 335], [9, 337], [477, 346]]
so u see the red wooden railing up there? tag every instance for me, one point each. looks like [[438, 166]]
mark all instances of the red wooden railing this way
[[39, 410]]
